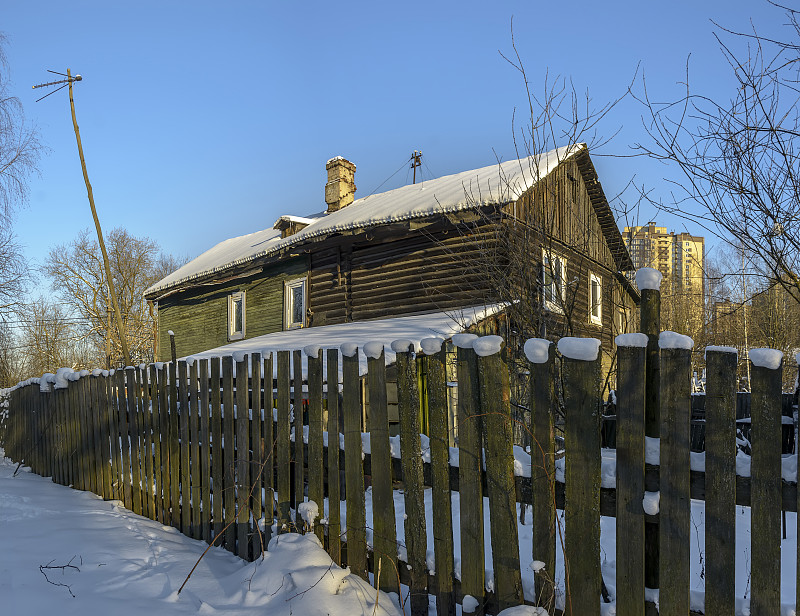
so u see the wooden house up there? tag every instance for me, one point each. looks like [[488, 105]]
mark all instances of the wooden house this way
[[432, 247]]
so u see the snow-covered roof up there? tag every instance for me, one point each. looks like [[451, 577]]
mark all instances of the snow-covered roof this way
[[498, 183], [413, 328]]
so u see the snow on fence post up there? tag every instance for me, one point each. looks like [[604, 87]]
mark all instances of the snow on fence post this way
[[765, 474], [496, 407], [256, 425], [334, 484], [282, 447], [316, 467], [675, 501], [268, 474], [631, 350], [720, 480], [132, 399], [228, 455], [194, 451], [299, 447], [470, 470], [384, 539], [411, 463], [353, 467], [216, 447], [541, 363], [205, 452], [582, 401], [242, 457], [434, 362]]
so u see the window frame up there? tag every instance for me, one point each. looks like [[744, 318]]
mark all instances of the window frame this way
[[550, 289], [233, 298], [598, 318], [288, 286]]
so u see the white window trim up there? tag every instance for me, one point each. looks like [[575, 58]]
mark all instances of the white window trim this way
[[232, 298], [598, 318], [550, 305], [287, 307]]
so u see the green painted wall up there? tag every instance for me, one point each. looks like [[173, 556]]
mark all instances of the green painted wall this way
[[199, 316]]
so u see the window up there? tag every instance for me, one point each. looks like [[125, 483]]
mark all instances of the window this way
[[294, 302], [554, 274], [595, 299], [236, 316]]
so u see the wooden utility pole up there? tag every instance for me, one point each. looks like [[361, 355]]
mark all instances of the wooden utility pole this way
[[416, 161], [111, 290]]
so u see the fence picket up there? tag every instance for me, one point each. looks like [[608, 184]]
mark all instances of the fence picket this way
[[582, 488], [316, 471], [132, 399], [174, 448], [298, 450], [720, 482], [183, 448], [148, 394], [216, 450], [675, 503], [105, 436], [630, 481], [194, 453], [334, 493], [73, 427], [242, 463], [413, 490], [205, 453], [282, 445], [384, 535], [765, 473], [257, 466], [161, 423], [440, 480], [269, 450], [228, 455]]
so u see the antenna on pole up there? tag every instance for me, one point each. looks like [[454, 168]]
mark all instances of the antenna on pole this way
[[70, 79], [416, 161]]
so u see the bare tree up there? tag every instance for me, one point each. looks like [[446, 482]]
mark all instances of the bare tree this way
[[77, 274], [739, 159]]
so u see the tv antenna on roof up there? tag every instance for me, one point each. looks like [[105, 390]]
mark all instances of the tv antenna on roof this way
[[70, 79]]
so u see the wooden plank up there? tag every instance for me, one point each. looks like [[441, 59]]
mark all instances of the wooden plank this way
[[354, 471], [630, 481], [438, 412], [413, 488], [183, 449], [282, 444], [765, 473], [125, 438], [298, 450], [384, 537], [116, 448], [228, 455], [334, 495], [720, 483], [256, 438], [73, 427], [242, 460], [161, 423], [675, 503], [316, 468], [105, 435], [269, 451], [496, 405], [194, 453], [174, 448], [135, 431], [149, 395], [216, 450], [470, 446], [205, 452], [582, 486]]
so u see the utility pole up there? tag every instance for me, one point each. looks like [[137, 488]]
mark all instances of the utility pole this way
[[111, 290], [416, 161]]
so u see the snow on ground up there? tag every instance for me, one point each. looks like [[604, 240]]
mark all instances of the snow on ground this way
[[128, 565]]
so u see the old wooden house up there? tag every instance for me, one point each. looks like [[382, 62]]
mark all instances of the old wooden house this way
[[536, 234]]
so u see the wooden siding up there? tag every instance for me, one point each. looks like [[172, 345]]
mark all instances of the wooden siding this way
[[199, 316]]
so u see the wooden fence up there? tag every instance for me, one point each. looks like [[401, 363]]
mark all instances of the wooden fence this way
[[208, 448]]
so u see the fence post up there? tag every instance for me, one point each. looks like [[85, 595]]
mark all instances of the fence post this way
[[384, 533], [216, 449], [205, 452], [353, 466], [242, 465], [148, 399], [316, 470], [541, 363], [269, 445], [228, 455], [133, 423], [282, 447], [124, 437], [765, 476], [648, 280], [299, 449], [174, 448], [257, 468], [195, 409], [434, 365], [720, 479], [184, 495], [411, 463], [631, 350], [334, 495], [470, 471], [582, 401], [675, 505]]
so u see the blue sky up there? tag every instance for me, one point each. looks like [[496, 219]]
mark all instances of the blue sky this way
[[205, 120]]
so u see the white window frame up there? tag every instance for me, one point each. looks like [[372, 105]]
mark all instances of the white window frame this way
[[233, 298], [596, 317], [551, 289], [288, 287]]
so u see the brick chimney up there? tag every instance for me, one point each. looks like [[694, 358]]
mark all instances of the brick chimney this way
[[341, 184]]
